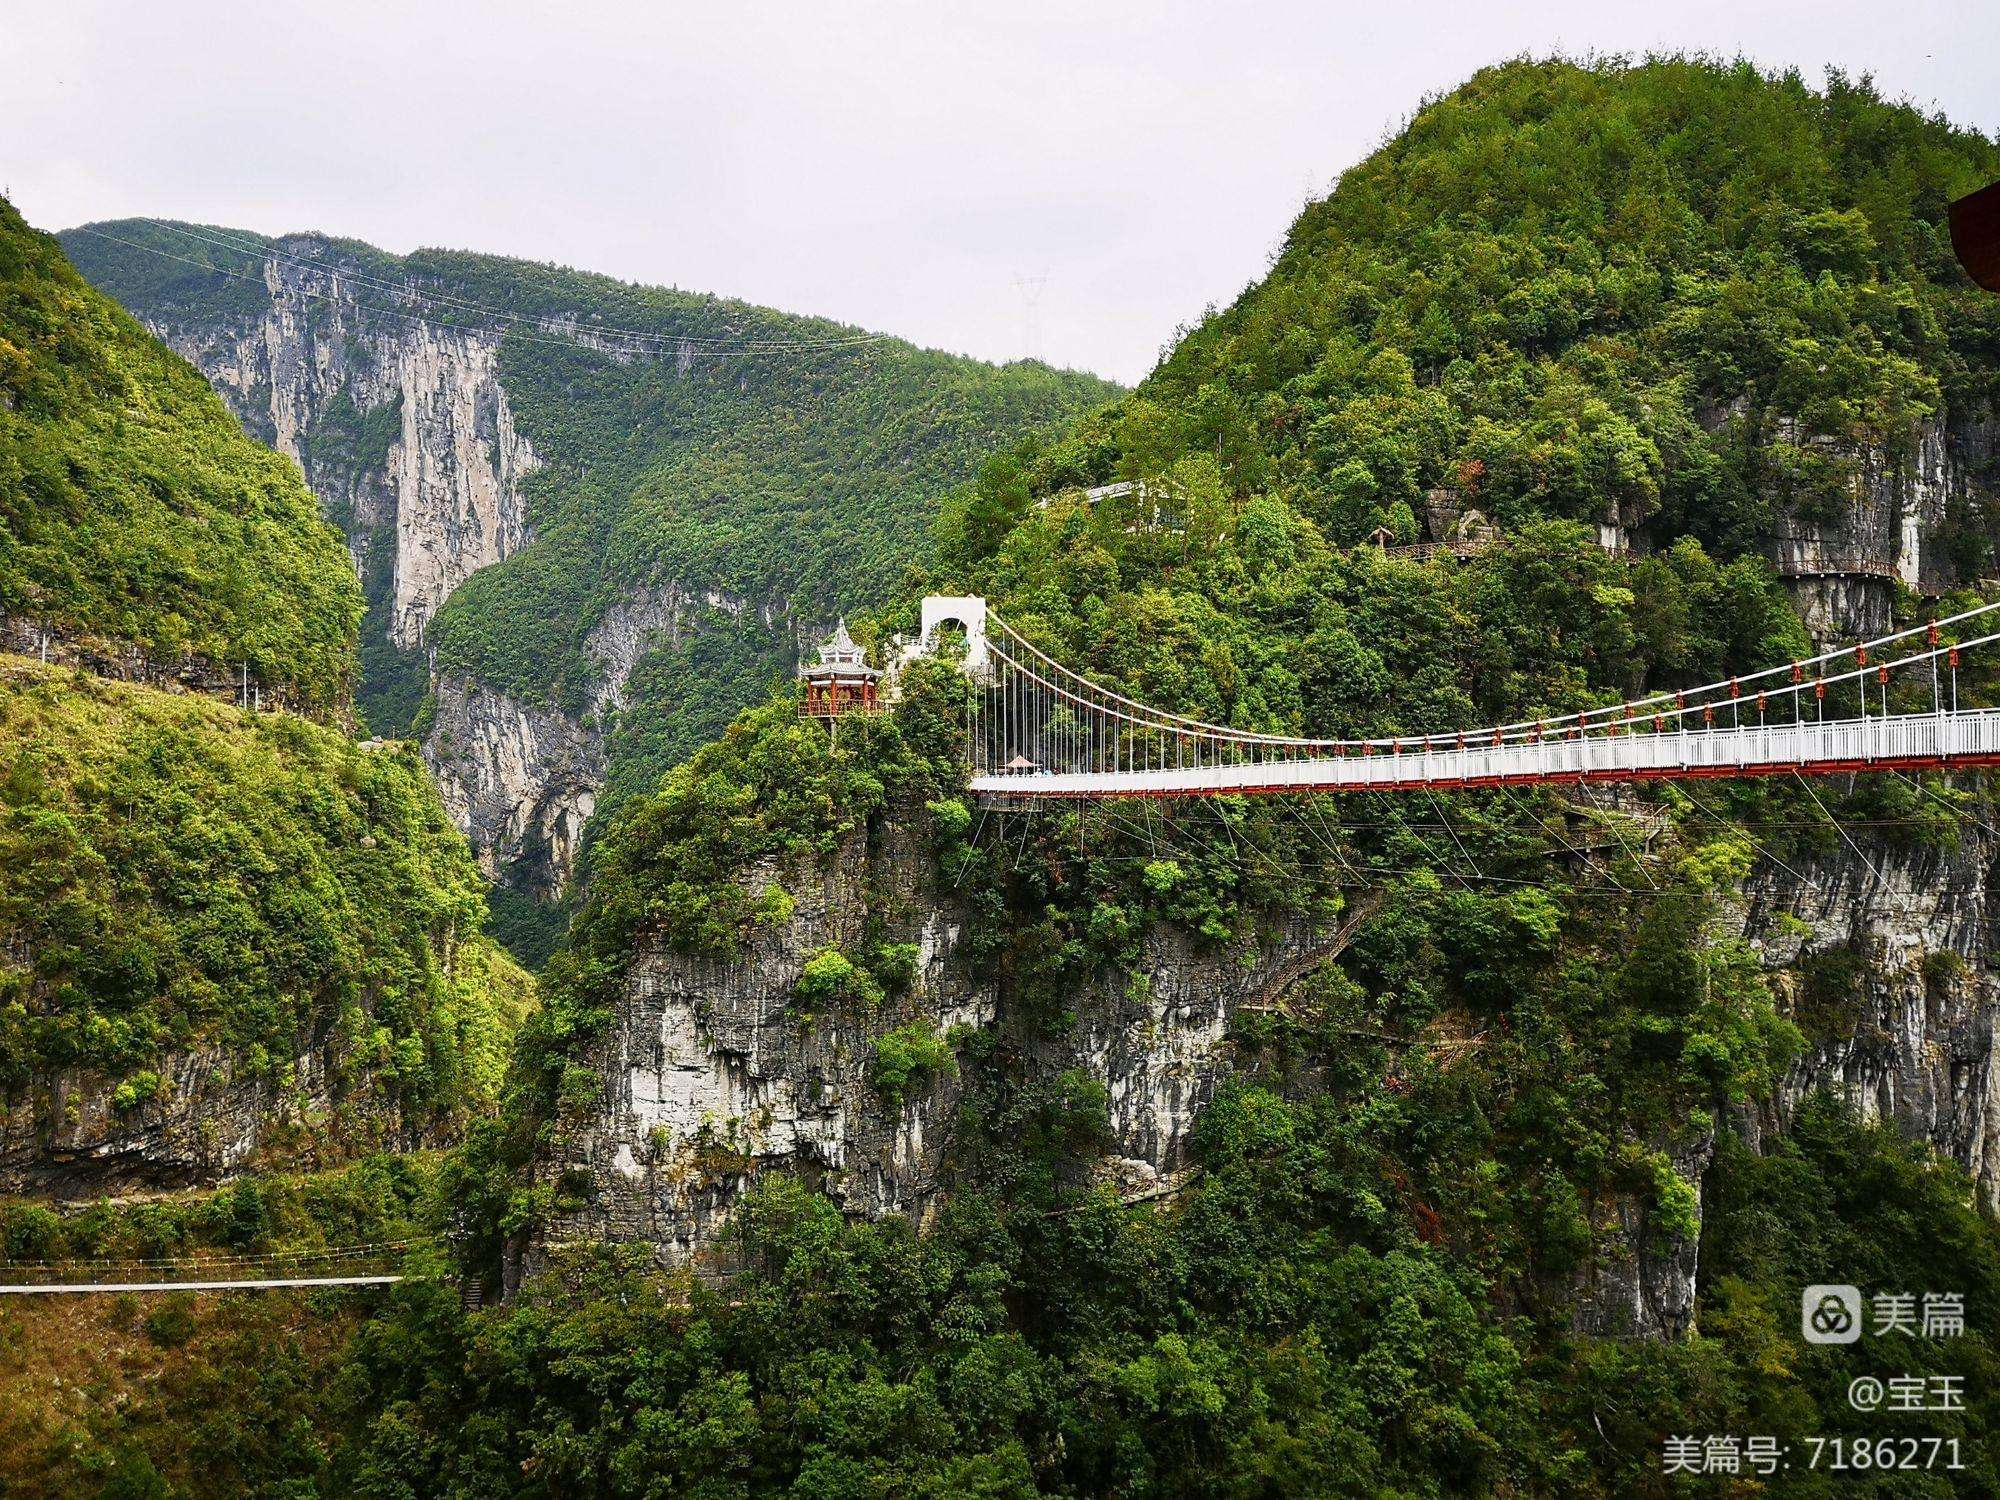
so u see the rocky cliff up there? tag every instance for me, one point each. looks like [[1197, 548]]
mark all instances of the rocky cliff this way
[[712, 1073], [69, 1135], [404, 430], [614, 464], [1885, 955], [396, 423], [1921, 520], [523, 779], [1881, 954]]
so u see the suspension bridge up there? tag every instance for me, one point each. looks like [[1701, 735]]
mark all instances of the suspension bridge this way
[[1038, 730]]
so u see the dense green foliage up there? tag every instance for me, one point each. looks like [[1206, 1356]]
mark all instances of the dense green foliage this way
[[1684, 293], [803, 482], [181, 872], [134, 509], [1306, 1319], [1370, 1283], [1432, 1148], [183, 1393], [1296, 1324]]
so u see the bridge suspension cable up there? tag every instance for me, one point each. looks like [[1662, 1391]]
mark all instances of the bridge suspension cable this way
[[1040, 728]]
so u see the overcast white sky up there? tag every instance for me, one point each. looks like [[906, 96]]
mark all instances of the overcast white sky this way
[[896, 165]]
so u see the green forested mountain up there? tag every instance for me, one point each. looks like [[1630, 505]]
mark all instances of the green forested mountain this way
[[182, 874], [810, 482], [208, 915], [134, 509], [1681, 298], [1687, 295], [704, 448], [1683, 293], [682, 485], [707, 443]]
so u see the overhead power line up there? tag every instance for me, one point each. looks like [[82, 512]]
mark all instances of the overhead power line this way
[[514, 324], [55, 1288], [226, 240]]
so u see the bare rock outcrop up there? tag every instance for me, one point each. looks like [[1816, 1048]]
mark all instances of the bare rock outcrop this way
[[394, 422], [208, 1114], [711, 1074], [1885, 954], [521, 781], [1899, 522]]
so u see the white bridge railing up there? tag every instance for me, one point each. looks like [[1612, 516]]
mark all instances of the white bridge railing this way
[[1036, 728], [1906, 741]]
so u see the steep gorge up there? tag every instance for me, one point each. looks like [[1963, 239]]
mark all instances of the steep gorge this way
[[1273, 1145], [451, 409]]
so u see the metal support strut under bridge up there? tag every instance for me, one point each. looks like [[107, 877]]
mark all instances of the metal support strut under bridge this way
[[1038, 730]]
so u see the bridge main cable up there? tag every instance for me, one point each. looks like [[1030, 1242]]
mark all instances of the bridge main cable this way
[[1672, 704]]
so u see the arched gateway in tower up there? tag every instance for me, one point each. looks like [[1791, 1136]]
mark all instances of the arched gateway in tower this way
[[968, 612]]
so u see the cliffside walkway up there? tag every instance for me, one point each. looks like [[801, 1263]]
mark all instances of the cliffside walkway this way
[[1039, 731], [266, 1283], [342, 1265]]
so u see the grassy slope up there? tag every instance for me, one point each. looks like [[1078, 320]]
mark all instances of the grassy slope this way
[[132, 506], [180, 871], [215, 1392]]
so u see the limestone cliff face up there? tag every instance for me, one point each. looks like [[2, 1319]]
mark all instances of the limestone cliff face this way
[[1886, 955], [1644, 1276], [67, 1136], [395, 423], [404, 430], [1882, 955], [1901, 520], [710, 1074], [522, 780]]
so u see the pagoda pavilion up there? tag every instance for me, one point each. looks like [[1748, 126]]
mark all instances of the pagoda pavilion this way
[[840, 682]]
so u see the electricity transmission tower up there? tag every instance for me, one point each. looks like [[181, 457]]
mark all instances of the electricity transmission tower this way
[[1031, 287]]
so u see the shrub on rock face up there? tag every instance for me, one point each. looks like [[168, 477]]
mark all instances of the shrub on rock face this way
[[832, 981], [907, 1059]]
